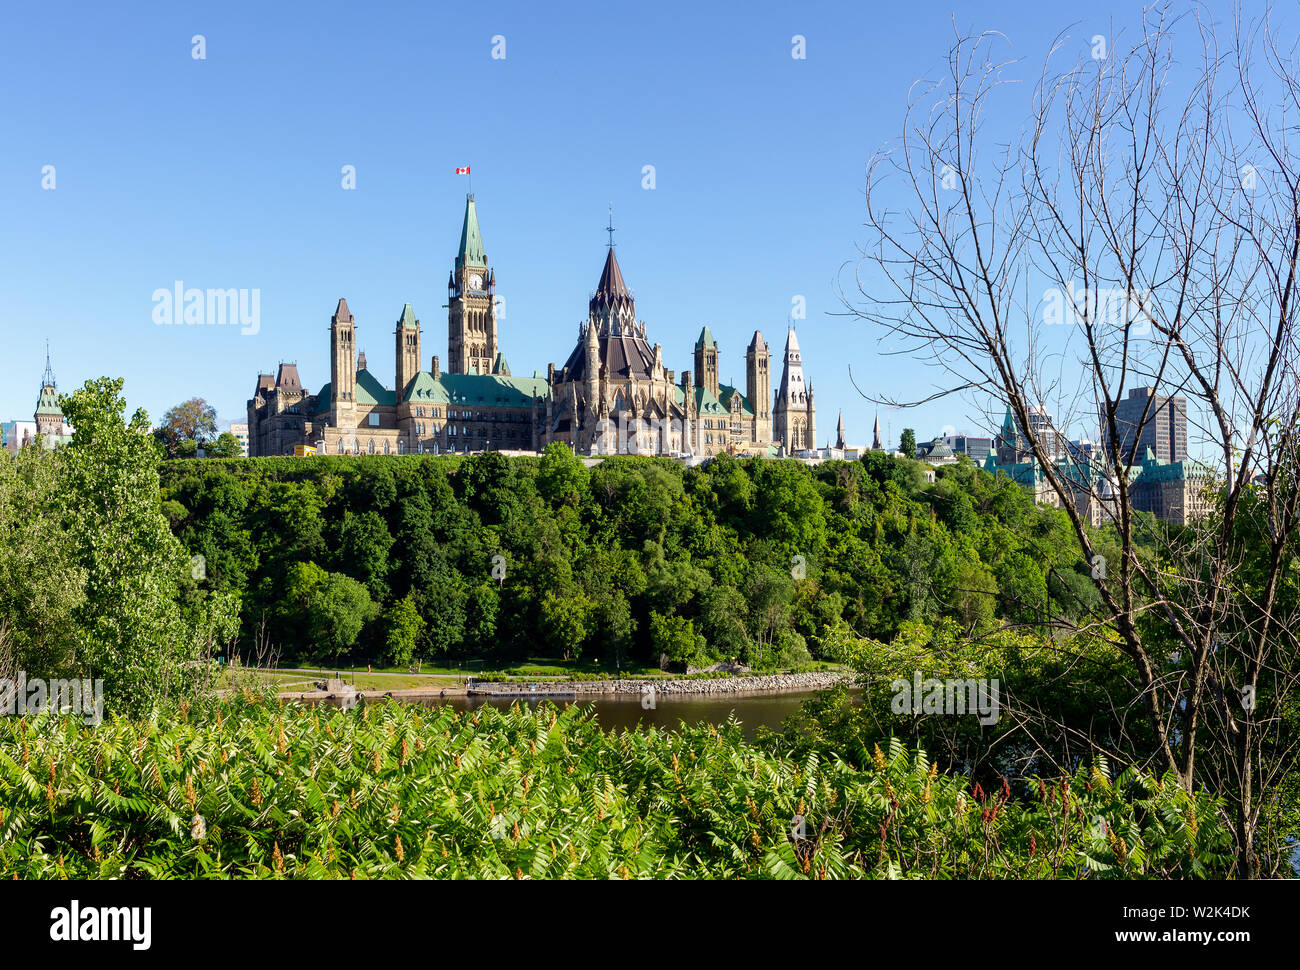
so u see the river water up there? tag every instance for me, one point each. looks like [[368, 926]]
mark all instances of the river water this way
[[671, 711]]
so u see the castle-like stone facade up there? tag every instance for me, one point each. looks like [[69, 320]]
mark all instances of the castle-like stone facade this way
[[613, 394], [47, 425]]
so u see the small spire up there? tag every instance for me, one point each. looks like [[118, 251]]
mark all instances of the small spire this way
[[610, 228], [47, 379]]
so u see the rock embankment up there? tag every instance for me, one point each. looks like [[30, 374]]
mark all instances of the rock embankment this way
[[767, 683]]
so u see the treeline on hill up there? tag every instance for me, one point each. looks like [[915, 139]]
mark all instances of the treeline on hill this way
[[634, 560]]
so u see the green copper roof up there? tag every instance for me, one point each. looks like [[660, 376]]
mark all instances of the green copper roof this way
[[725, 394], [408, 316], [323, 398], [706, 340], [1154, 470], [48, 402], [500, 390], [370, 390], [706, 403], [471, 240], [499, 367]]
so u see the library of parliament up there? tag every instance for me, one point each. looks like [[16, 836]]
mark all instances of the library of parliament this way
[[612, 395]]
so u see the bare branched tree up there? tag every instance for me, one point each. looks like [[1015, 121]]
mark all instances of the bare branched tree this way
[[1141, 230]]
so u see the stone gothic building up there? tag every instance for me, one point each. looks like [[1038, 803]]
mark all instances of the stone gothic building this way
[[47, 424], [614, 393]]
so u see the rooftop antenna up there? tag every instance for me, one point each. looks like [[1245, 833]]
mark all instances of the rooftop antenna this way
[[610, 228]]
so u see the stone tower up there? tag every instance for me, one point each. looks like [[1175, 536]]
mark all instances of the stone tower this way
[[48, 416], [794, 425], [407, 349], [471, 305], [706, 362], [343, 367], [758, 386]]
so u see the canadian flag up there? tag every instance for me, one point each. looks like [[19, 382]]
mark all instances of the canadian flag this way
[[463, 171]]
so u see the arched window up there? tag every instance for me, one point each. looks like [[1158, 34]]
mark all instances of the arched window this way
[[371, 446]]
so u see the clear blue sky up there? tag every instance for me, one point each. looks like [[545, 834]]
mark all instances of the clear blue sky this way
[[225, 172]]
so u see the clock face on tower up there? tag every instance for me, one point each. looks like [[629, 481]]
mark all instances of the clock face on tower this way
[[475, 281]]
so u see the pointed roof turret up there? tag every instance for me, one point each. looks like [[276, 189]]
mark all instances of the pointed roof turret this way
[[706, 340], [611, 290], [342, 314], [839, 433], [47, 402], [792, 390], [408, 317], [471, 240], [876, 443]]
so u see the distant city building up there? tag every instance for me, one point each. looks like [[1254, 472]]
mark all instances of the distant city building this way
[[1152, 420], [840, 451], [240, 431], [1086, 451], [936, 452], [976, 449], [1012, 443], [1171, 490], [1174, 491]]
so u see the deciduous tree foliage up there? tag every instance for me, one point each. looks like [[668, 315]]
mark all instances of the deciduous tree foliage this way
[[95, 583], [763, 559]]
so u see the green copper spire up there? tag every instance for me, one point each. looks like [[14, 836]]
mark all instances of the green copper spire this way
[[706, 340], [408, 317], [48, 400], [471, 240]]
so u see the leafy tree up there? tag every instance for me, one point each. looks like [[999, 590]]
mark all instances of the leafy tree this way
[[226, 446], [42, 585], [330, 608], [402, 629], [561, 476], [907, 443], [134, 632], [565, 621], [361, 543], [186, 427], [674, 640]]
